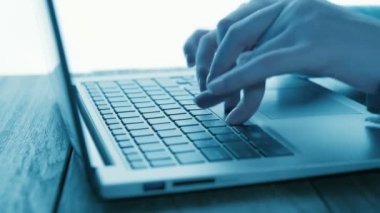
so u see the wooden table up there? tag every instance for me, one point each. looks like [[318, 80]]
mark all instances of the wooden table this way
[[39, 172]]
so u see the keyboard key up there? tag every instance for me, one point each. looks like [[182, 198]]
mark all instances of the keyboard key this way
[[109, 116], [122, 138], [132, 120], [128, 151], [124, 109], [216, 154], [200, 112], [155, 92], [126, 144], [190, 158], [141, 100], [252, 132], [179, 93], [98, 99], [213, 123], [175, 111], [229, 138], [137, 126], [185, 98], [176, 140], [146, 82], [153, 88], [242, 150], [166, 126], [207, 117], [138, 165], [146, 139], [220, 130], [199, 136], [187, 122], [166, 82], [107, 84], [192, 129], [206, 143], [165, 101], [126, 82], [186, 102], [157, 155], [191, 107], [106, 111], [170, 106], [112, 121], [115, 126], [152, 147], [128, 114], [115, 95], [158, 121], [169, 133], [134, 157], [118, 132], [180, 117], [149, 109], [121, 104], [144, 105], [154, 115], [104, 107], [141, 132], [118, 99], [162, 163], [271, 148], [136, 96], [161, 97], [98, 103], [182, 148]]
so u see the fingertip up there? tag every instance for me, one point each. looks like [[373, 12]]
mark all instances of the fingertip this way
[[234, 118], [201, 100], [190, 61]]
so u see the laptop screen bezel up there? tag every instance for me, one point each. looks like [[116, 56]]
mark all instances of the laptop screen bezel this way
[[68, 83]]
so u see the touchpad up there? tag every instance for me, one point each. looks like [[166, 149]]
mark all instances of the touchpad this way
[[301, 102]]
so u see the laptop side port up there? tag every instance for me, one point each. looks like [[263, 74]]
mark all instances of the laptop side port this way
[[154, 186], [194, 182]]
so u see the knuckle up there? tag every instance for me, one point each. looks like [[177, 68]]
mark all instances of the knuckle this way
[[234, 37], [223, 26]]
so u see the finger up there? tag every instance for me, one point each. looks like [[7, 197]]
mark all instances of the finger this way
[[204, 56], [231, 102], [191, 46], [243, 11], [248, 105], [241, 36], [279, 42], [207, 99], [276, 62]]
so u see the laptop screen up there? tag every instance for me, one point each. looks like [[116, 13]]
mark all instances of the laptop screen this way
[[60, 81]]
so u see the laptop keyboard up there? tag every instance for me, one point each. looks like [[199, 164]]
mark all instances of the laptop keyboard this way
[[156, 124]]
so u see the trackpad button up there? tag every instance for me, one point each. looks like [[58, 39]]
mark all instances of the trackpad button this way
[[301, 102]]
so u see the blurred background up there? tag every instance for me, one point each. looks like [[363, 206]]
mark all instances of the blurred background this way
[[113, 34]]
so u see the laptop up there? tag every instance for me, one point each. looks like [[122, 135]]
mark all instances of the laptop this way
[[140, 133]]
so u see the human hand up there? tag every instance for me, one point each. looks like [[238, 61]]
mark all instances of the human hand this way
[[290, 36], [201, 46]]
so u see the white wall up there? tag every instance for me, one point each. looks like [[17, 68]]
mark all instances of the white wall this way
[[110, 34]]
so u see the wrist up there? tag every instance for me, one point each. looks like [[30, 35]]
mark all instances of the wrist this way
[[372, 11]]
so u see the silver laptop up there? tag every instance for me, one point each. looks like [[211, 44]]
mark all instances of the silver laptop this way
[[140, 134]]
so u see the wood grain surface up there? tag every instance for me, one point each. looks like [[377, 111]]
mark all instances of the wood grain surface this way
[[33, 145]]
